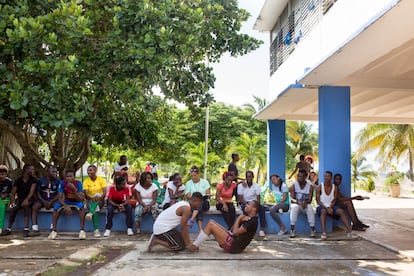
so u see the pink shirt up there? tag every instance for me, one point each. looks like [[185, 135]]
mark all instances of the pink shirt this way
[[226, 194]]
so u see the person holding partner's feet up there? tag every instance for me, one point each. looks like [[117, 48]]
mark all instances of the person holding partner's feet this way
[[165, 231]]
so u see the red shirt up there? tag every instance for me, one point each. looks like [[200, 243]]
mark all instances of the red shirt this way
[[119, 196], [226, 193]]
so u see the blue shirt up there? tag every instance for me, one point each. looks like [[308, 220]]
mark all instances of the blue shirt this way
[[48, 189]]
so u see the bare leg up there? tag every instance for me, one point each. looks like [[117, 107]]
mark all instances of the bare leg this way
[[351, 211], [155, 242], [323, 220], [35, 209], [344, 219], [55, 219], [219, 232], [82, 218]]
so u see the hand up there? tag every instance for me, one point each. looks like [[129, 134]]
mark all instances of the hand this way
[[25, 203], [72, 186], [191, 247], [12, 205], [359, 197], [68, 210], [47, 205], [225, 208], [244, 218], [329, 210], [121, 208], [304, 204], [147, 208]]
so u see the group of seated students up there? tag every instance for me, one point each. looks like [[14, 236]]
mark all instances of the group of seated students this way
[[143, 196]]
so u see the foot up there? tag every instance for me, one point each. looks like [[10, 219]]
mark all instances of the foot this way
[[312, 234], [358, 227], [52, 235], [107, 233], [151, 243], [96, 233], [82, 235], [88, 216], [138, 229], [324, 236], [292, 233], [364, 225], [282, 232], [5, 232], [26, 233], [262, 233], [130, 232]]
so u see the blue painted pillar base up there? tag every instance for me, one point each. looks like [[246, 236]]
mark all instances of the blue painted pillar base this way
[[276, 151], [335, 134]]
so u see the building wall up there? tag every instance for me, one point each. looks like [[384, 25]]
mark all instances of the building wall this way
[[342, 21]]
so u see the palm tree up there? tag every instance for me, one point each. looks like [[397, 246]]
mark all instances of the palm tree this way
[[393, 143], [252, 151], [195, 156], [360, 170], [257, 105], [301, 139]]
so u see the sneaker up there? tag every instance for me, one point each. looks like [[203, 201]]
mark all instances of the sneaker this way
[[350, 235], [292, 233], [312, 234], [96, 233], [282, 232], [262, 233], [35, 227], [130, 232], [88, 216], [324, 236], [26, 233], [364, 225], [107, 233], [280, 210], [5, 232], [82, 235], [52, 235], [358, 227]]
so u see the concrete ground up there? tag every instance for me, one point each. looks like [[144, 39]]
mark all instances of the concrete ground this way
[[386, 248]]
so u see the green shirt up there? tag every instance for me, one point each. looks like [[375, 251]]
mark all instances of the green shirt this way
[[161, 191], [202, 186]]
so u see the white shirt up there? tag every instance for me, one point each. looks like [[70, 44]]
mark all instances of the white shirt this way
[[119, 168], [170, 185], [146, 194], [168, 218], [249, 193], [326, 199]]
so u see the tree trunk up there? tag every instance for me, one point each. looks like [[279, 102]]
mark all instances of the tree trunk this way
[[410, 158]]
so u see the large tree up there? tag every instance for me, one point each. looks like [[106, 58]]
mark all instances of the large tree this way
[[71, 70]]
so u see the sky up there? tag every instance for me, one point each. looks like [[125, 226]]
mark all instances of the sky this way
[[238, 79]]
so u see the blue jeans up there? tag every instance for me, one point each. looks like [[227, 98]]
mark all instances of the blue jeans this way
[[110, 214]]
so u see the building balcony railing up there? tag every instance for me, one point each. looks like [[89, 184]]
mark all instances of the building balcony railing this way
[[300, 23]]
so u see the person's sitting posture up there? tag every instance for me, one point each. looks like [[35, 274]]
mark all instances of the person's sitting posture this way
[[301, 193], [224, 198], [165, 231], [146, 194], [94, 188], [118, 199], [5, 190], [197, 184], [249, 191], [326, 194], [346, 204], [281, 193], [241, 234], [161, 188], [24, 188], [47, 194], [175, 191], [70, 193]]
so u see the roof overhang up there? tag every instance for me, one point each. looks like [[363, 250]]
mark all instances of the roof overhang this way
[[377, 63], [270, 12]]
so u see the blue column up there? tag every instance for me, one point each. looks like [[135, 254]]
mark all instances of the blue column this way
[[276, 150], [335, 134]]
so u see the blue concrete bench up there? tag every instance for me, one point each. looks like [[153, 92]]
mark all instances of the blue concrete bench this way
[[71, 223]]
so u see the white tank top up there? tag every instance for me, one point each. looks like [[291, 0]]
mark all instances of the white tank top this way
[[327, 199], [302, 194], [168, 218]]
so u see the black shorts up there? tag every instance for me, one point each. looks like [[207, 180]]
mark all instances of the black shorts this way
[[174, 239]]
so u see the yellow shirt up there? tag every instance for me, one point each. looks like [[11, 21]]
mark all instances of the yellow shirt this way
[[94, 187]]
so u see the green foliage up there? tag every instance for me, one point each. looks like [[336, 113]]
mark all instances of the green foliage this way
[[393, 178], [390, 142], [72, 70], [362, 173]]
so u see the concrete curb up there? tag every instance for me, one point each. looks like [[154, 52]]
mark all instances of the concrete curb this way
[[388, 247]]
